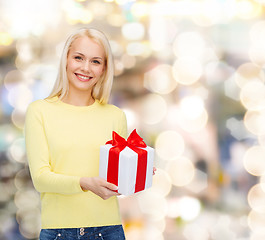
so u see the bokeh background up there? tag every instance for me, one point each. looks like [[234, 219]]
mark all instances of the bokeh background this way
[[190, 78]]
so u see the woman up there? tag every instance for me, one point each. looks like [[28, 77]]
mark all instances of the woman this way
[[63, 134]]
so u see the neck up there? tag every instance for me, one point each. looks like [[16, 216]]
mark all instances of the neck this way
[[84, 99]]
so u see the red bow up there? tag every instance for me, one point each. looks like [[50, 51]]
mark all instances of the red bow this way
[[136, 143], [134, 140]]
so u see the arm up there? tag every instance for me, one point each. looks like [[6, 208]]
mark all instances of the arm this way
[[38, 155], [97, 185]]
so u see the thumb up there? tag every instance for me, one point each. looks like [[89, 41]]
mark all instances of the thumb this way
[[112, 187]]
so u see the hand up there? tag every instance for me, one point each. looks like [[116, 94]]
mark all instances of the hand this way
[[154, 170], [99, 186]]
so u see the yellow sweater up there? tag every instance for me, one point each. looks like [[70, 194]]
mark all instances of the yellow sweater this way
[[62, 143]]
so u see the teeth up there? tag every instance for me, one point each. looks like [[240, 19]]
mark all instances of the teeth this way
[[83, 77]]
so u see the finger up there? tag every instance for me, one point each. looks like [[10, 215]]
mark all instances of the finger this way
[[112, 187]]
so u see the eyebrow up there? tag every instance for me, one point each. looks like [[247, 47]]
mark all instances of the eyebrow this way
[[84, 55]]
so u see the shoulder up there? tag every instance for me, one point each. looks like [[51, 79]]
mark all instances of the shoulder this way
[[111, 108], [38, 105]]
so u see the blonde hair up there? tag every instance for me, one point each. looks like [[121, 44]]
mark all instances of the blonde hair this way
[[101, 90]]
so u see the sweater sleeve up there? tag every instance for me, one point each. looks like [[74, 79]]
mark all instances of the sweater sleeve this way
[[37, 149]]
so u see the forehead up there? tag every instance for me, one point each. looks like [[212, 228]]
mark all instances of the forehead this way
[[87, 46]]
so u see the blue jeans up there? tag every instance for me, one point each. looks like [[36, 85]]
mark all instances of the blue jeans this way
[[91, 233]]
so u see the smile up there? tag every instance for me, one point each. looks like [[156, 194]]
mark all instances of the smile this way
[[83, 78]]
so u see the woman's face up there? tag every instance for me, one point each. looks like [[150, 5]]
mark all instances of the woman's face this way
[[85, 64]]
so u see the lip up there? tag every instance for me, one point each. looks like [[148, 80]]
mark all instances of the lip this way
[[81, 79]]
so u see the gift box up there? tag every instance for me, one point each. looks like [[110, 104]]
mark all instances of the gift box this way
[[127, 164]]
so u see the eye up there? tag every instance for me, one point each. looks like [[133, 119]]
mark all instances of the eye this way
[[96, 62], [78, 58]]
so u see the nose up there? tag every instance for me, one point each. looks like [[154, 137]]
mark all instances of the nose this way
[[86, 66]]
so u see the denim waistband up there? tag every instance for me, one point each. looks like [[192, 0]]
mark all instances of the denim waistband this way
[[112, 232]]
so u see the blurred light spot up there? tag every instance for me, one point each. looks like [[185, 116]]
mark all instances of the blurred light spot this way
[[247, 9], [140, 9], [17, 150], [217, 71], [254, 122], [76, 13], [252, 95], [188, 208], [12, 78], [190, 120], [169, 145], [27, 199], [5, 39], [159, 224], [18, 118], [222, 229], [210, 55], [202, 20], [256, 198], [257, 32], [260, 1], [254, 160], [19, 97], [29, 222], [219, 11], [237, 128], [27, 49], [128, 61], [99, 10], [189, 44], [153, 109], [122, 2], [138, 49], [153, 204], [231, 89], [257, 54], [202, 92], [119, 68], [86, 17], [172, 8], [194, 231], [199, 182], [161, 183], [192, 107], [257, 236], [114, 19], [21, 179], [256, 222], [152, 233], [8, 133], [187, 70], [160, 79], [162, 31], [133, 31], [181, 171], [248, 72], [131, 118], [116, 48]]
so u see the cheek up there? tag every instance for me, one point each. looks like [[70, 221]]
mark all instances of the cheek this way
[[102, 70], [70, 65]]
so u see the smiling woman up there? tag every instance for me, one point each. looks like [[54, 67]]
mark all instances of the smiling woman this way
[[85, 67], [63, 135], [86, 52]]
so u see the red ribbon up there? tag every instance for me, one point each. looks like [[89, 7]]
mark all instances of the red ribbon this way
[[134, 141]]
